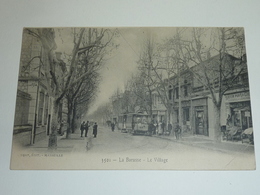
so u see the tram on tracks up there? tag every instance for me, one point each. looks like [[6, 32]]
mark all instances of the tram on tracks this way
[[135, 123]]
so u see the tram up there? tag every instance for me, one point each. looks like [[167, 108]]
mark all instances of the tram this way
[[135, 123]]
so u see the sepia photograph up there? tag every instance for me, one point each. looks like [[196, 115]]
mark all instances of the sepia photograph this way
[[133, 98]]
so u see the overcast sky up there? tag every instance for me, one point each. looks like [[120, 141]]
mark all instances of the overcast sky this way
[[123, 61]]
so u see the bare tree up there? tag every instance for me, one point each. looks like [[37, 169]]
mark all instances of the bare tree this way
[[84, 41], [145, 82], [216, 74], [91, 60]]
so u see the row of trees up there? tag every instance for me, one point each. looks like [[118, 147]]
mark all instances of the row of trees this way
[[80, 81], [214, 56]]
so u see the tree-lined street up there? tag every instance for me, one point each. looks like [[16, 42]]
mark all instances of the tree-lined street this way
[[188, 82]]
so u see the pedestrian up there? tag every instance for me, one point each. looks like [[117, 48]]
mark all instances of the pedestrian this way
[[151, 128], [156, 127], [113, 126], [169, 128], [229, 120], [86, 128], [177, 131], [82, 128], [95, 130], [160, 129], [163, 127]]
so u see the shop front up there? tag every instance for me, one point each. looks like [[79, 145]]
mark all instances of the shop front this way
[[159, 115], [238, 109], [186, 116], [200, 117]]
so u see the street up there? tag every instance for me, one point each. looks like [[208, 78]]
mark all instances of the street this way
[[179, 154], [116, 150]]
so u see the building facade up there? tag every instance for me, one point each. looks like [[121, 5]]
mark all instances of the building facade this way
[[33, 104], [195, 103]]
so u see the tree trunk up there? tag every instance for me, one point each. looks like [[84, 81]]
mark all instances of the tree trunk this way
[[217, 128], [54, 126], [150, 104], [73, 121], [69, 119]]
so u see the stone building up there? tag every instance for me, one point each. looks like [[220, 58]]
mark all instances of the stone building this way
[[158, 108], [195, 99], [33, 104]]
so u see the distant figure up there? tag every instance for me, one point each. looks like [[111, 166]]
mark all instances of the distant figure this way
[[177, 132], [95, 130], [155, 128], [113, 126], [61, 129], [108, 123], [82, 128], [169, 128], [228, 120], [163, 126], [151, 128], [160, 129], [86, 129]]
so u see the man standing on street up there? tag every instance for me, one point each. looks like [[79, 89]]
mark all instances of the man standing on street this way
[[82, 127], [95, 130], [113, 126], [86, 129]]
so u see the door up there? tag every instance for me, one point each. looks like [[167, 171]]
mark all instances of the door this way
[[199, 122]]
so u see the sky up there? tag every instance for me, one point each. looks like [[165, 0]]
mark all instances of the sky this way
[[121, 64]]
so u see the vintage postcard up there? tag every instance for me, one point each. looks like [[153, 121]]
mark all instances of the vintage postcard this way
[[137, 98]]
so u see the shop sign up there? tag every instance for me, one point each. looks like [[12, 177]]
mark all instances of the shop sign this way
[[199, 102], [199, 107], [238, 96]]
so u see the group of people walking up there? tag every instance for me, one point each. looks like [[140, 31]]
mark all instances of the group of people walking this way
[[85, 127], [160, 129], [157, 128]]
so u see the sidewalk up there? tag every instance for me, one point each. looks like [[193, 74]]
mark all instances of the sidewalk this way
[[206, 143], [74, 142]]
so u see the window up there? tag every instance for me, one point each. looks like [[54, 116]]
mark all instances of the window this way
[[176, 93], [170, 94], [185, 91], [186, 114], [244, 78], [40, 110], [159, 100]]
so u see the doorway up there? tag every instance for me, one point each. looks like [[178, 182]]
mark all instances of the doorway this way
[[199, 120]]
